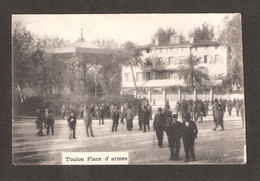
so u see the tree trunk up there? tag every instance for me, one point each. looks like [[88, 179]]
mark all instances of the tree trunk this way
[[132, 70]]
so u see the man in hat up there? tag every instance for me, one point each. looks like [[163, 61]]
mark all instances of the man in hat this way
[[146, 118], [115, 118], [173, 129], [190, 132], [159, 126]]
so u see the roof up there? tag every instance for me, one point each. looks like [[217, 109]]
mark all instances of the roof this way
[[184, 44]]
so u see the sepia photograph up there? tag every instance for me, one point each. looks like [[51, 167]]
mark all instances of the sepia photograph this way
[[128, 89]]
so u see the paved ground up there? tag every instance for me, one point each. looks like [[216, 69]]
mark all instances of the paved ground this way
[[210, 147]]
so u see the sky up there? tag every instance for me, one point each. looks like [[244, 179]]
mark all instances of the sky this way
[[138, 28]]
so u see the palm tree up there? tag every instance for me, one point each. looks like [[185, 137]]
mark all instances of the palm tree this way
[[191, 72], [134, 57], [235, 74]]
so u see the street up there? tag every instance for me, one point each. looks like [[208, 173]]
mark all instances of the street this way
[[211, 147]]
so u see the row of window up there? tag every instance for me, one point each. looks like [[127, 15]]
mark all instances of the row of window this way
[[162, 50], [180, 60], [141, 76]]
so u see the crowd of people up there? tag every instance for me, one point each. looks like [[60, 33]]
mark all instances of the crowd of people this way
[[164, 120]]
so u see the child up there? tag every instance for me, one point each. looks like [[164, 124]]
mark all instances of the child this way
[[72, 124]]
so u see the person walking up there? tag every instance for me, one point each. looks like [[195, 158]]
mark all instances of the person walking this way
[[72, 121], [190, 132], [237, 106], [140, 113], [101, 114], [63, 111], [88, 121], [159, 126], [115, 118]]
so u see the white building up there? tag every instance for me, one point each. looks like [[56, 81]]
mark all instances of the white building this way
[[159, 62]]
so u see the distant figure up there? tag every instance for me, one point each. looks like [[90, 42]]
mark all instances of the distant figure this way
[[237, 106], [40, 120], [88, 121], [63, 111], [50, 122], [102, 114], [229, 107], [129, 116], [159, 126], [243, 114], [218, 116], [190, 132], [122, 114], [140, 113], [146, 118], [115, 118], [72, 125]]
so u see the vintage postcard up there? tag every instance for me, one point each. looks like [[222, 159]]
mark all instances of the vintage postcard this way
[[128, 89]]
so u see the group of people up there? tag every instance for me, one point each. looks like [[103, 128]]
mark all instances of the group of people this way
[[164, 120], [176, 130], [44, 119]]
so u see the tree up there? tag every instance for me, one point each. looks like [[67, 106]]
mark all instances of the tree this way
[[163, 36], [203, 33], [110, 44], [133, 59], [231, 37], [191, 72]]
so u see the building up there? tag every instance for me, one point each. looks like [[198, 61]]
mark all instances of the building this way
[[159, 63]]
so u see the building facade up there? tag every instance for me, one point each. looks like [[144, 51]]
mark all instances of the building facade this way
[[160, 62]]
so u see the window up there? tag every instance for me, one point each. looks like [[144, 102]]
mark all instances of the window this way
[[148, 75], [181, 59], [148, 51], [148, 62], [216, 59], [170, 60], [160, 75], [160, 61], [139, 76], [206, 58]]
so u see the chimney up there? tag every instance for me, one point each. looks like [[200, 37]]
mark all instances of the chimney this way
[[191, 40]]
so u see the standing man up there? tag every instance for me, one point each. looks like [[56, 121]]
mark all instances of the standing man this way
[[218, 115], [129, 116], [146, 118], [237, 105], [229, 106], [50, 122], [115, 118], [190, 132], [199, 109], [159, 126], [88, 121], [72, 124], [102, 114], [140, 113], [63, 111], [40, 120]]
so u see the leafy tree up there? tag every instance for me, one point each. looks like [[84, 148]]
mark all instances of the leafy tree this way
[[203, 33], [191, 72], [231, 37], [163, 36], [103, 43]]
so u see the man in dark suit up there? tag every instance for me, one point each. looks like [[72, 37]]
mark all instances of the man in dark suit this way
[[190, 132], [146, 118], [159, 126], [115, 118], [50, 122]]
